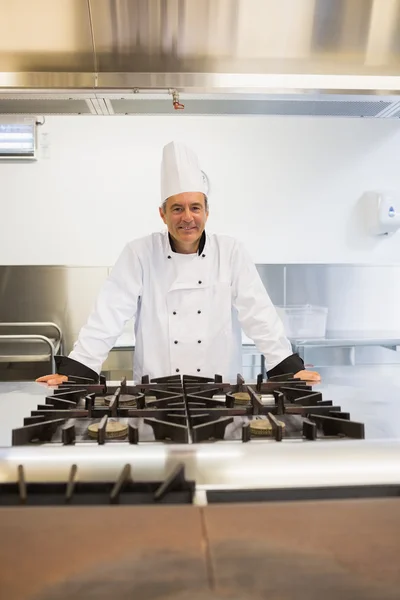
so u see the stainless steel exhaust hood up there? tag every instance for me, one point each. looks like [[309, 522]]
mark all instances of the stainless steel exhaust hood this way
[[104, 57]]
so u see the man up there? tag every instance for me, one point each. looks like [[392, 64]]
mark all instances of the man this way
[[189, 292]]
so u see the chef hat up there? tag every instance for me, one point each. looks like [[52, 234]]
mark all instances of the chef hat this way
[[180, 171]]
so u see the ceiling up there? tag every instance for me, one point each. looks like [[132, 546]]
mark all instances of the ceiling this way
[[101, 57]]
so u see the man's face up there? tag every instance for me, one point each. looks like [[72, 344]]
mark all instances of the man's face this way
[[185, 216]]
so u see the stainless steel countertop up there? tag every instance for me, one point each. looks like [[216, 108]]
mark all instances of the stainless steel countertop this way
[[17, 399], [371, 393], [352, 338]]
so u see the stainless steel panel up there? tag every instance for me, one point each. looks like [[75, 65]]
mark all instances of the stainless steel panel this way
[[364, 298], [246, 36], [307, 284], [376, 355], [316, 357], [44, 35], [306, 45], [47, 80], [29, 106], [273, 277], [28, 101], [63, 295], [119, 364], [259, 82], [233, 106], [252, 366]]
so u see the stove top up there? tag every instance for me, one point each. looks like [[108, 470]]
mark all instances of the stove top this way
[[63, 454], [185, 410]]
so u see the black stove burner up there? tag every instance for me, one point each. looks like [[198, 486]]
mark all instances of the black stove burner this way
[[191, 409], [303, 411]]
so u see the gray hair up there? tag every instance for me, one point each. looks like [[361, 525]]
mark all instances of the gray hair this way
[[164, 204]]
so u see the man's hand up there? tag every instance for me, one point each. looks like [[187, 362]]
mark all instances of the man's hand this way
[[54, 379], [310, 376]]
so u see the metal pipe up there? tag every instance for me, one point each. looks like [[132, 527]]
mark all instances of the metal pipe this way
[[43, 338], [34, 324], [40, 325]]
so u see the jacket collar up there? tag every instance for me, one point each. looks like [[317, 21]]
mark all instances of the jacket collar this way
[[201, 245]]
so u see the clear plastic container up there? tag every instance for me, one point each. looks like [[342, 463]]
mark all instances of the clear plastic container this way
[[304, 321]]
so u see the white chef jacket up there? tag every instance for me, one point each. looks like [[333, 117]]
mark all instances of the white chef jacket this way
[[188, 310]]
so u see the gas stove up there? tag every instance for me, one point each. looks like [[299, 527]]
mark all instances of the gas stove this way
[[191, 440], [187, 410]]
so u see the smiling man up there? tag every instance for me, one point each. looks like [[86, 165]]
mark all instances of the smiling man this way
[[185, 215], [189, 292]]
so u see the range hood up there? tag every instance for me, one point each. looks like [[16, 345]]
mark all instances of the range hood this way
[[117, 57]]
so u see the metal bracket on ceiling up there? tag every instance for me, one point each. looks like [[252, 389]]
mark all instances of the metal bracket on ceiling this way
[[171, 91], [175, 100]]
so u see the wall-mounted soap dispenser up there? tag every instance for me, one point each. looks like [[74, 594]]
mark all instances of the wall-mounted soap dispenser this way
[[382, 212]]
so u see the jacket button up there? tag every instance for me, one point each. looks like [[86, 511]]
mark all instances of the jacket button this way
[[176, 341], [177, 370], [199, 312], [168, 256], [200, 282], [203, 256], [199, 341], [198, 370], [174, 313]]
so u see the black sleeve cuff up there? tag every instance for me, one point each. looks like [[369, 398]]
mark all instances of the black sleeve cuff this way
[[73, 368], [292, 364]]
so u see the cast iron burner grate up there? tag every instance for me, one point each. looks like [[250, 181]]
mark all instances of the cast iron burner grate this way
[[188, 410]]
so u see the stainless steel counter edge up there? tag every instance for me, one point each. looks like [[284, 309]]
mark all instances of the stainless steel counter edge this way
[[332, 338], [231, 465]]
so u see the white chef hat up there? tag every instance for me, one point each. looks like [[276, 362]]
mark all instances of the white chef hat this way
[[180, 171]]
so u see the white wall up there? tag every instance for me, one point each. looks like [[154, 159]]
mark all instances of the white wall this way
[[290, 188]]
